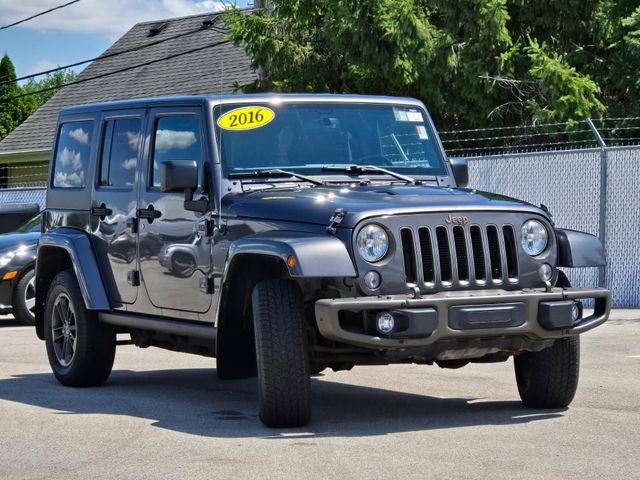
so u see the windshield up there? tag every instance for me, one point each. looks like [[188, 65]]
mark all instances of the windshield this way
[[32, 225], [304, 137]]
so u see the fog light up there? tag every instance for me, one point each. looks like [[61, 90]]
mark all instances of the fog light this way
[[545, 272], [372, 280], [385, 322], [576, 312]]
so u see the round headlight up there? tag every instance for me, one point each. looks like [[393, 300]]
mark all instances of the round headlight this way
[[534, 237], [372, 243]]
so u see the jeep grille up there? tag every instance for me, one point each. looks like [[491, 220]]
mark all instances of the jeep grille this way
[[451, 256]]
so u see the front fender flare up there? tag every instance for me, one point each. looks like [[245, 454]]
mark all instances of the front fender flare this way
[[579, 249], [78, 246], [315, 255]]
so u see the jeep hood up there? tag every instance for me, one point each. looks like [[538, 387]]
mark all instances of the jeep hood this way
[[317, 204]]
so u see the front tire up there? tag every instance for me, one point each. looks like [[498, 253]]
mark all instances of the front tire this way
[[281, 353], [24, 299], [549, 378], [81, 350]]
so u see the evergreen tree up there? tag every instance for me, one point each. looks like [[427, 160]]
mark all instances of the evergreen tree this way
[[12, 110]]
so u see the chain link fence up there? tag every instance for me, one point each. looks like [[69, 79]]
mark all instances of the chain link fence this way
[[589, 184], [23, 183]]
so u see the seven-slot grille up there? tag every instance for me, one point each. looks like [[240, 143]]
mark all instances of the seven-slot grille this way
[[451, 256]]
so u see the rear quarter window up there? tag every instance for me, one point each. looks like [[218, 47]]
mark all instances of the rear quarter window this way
[[72, 155]]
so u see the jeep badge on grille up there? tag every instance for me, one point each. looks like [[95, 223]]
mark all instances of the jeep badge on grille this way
[[457, 220]]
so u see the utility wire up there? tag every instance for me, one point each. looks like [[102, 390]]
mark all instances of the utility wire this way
[[107, 74], [121, 52], [39, 14]]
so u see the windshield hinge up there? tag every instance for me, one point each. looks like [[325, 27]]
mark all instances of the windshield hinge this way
[[336, 219]]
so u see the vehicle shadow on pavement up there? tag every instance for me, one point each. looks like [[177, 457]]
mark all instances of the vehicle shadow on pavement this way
[[195, 401]]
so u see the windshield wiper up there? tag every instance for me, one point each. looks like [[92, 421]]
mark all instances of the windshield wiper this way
[[370, 169], [275, 172]]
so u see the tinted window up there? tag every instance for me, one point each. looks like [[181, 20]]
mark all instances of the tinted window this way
[[120, 152], [176, 138], [72, 155]]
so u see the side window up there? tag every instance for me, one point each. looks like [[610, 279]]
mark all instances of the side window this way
[[176, 138], [72, 155], [120, 152]]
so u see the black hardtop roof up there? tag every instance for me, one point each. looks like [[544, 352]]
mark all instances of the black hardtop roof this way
[[194, 100]]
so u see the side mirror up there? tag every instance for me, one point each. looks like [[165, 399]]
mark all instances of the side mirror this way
[[460, 171], [179, 176]]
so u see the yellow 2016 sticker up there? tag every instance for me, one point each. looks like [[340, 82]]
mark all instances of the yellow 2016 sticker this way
[[246, 118]]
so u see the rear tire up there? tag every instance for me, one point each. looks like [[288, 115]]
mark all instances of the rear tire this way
[[549, 378], [281, 353], [81, 350], [24, 299]]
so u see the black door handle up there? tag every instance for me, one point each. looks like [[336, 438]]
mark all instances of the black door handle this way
[[102, 211], [148, 213]]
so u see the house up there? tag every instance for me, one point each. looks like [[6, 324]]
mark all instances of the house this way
[[177, 56]]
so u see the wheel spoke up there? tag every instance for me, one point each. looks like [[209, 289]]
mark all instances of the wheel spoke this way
[[64, 349], [30, 303], [58, 309]]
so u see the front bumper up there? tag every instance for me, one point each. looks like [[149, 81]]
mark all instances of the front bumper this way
[[463, 315], [6, 294]]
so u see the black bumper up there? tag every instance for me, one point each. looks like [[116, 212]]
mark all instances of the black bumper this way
[[6, 294]]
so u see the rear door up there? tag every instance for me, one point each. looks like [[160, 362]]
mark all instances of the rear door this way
[[115, 201], [174, 244]]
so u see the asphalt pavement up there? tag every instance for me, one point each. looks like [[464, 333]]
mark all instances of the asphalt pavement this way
[[167, 415]]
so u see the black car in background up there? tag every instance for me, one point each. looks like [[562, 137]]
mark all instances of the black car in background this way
[[17, 263]]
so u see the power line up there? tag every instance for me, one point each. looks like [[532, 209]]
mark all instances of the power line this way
[[107, 74], [39, 14], [212, 26]]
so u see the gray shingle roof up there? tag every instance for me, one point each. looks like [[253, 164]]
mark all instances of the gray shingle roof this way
[[191, 73]]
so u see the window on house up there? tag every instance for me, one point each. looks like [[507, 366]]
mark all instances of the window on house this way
[[4, 176], [72, 155]]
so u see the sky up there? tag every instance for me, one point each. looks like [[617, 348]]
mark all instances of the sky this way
[[82, 30]]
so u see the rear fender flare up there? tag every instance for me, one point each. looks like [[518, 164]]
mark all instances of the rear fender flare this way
[[77, 246]]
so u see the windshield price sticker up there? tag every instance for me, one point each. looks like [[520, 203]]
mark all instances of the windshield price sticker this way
[[422, 132], [246, 118], [407, 115]]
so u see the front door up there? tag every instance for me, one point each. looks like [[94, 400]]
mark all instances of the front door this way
[[115, 201], [174, 244]]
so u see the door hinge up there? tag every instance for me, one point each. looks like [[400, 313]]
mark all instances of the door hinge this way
[[132, 224], [210, 226], [206, 285], [133, 277]]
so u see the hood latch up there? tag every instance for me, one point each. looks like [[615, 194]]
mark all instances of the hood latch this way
[[336, 219]]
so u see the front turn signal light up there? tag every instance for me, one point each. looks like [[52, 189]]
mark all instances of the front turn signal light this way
[[9, 275]]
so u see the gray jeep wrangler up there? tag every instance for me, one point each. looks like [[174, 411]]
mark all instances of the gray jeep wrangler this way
[[286, 234]]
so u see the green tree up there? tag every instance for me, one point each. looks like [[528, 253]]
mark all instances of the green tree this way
[[43, 90], [474, 62], [13, 111], [18, 102]]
